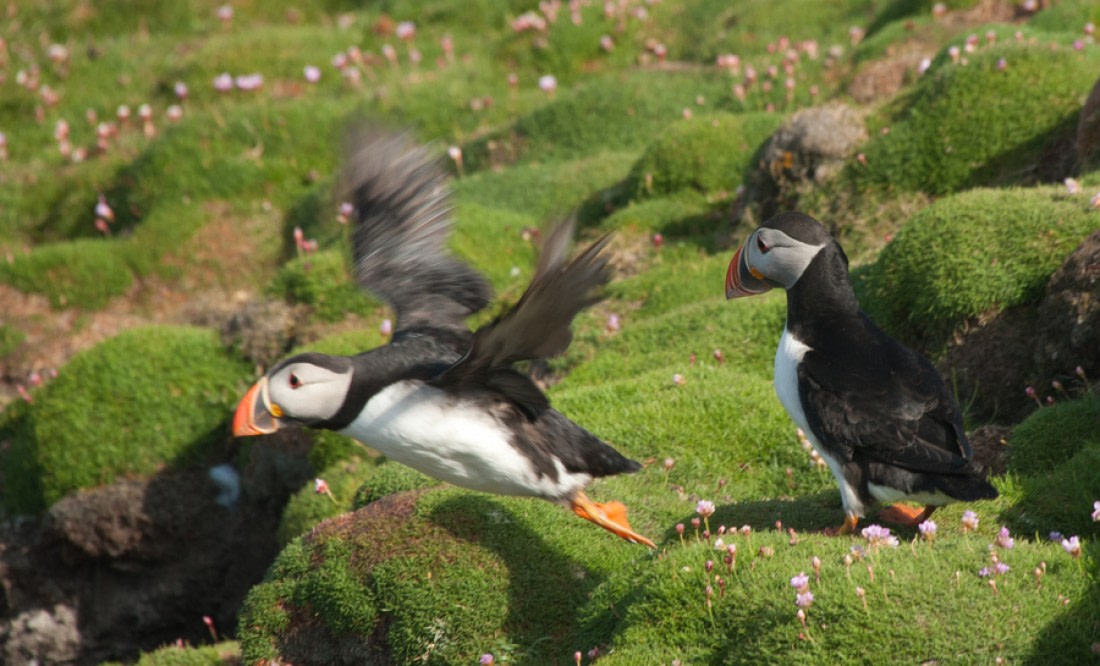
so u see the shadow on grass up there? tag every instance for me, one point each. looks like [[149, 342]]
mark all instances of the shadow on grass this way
[[807, 513], [1061, 640], [546, 589]]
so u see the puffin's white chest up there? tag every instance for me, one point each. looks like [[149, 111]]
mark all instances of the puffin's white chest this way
[[788, 355], [453, 440]]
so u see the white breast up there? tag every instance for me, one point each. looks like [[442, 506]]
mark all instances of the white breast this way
[[454, 441], [788, 355]]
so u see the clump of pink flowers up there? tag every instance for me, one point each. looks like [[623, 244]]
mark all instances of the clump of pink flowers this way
[[927, 530], [969, 521], [877, 535]]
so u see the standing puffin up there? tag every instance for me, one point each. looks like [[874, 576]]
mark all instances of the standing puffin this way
[[876, 411], [437, 397]]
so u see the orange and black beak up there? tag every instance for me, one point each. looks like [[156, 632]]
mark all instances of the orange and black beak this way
[[255, 414], [741, 278]]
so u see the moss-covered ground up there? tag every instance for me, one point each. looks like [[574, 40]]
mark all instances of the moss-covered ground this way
[[648, 133]]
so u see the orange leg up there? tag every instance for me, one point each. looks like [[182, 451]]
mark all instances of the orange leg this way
[[905, 515], [850, 522], [610, 516]]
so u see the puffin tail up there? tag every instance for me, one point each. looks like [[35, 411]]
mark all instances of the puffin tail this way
[[968, 488]]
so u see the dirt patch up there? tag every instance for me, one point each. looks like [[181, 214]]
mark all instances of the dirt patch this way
[[216, 271]]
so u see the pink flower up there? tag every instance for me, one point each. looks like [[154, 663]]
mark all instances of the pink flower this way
[[103, 210], [1096, 512], [969, 521], [801, 581], [312, 73], [386, 327], [927, 530], [249, 82], [705, 508], [670, 463], [606, 43], [486, 660], [804, 599], [320, 486], [613, 325], [658, 240], [1072, 546], [678, 379], [548, 83], [180, 89], [1005, 540], [877, 535], [225, 13], [405, 30], [174, 113], [223, 83], [1072, 186]]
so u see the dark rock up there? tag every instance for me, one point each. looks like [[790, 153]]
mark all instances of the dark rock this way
[[262, 331], [1069, 316], [993, 360], [42, 636], [990, 445], [808, 150], [1088, 130], [139, 563]]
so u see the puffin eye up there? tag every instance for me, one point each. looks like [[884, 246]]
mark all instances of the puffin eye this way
[[294, 381], [762, 245]]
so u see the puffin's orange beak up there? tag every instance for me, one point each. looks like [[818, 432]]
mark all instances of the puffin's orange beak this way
[[253, 416], [742, 279]]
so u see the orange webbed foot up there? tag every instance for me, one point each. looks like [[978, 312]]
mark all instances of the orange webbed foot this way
[[905, 515], [611, 516], [849, 525]]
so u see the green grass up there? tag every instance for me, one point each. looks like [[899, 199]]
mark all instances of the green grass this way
[[399, 569]]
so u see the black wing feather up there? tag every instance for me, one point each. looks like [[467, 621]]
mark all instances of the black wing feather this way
[[403, 208], [892, 407], [537, 326]]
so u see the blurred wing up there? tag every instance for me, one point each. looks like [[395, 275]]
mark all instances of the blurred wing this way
[[538, 325], [403, 208]]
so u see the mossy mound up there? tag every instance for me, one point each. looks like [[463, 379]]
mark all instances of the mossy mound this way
[[144, 399], [970, 253], [614, 112], [326, 595], [1055, 454], [965, 125], [710, 153]]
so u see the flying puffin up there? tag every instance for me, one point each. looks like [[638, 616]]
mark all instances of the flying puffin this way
[[876, 411], [437, 397]]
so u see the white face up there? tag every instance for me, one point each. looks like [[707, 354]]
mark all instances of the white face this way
[[306, 392], [778, 257]]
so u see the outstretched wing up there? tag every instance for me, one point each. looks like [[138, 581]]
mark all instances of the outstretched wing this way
[[538, 325], [403, 210]]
